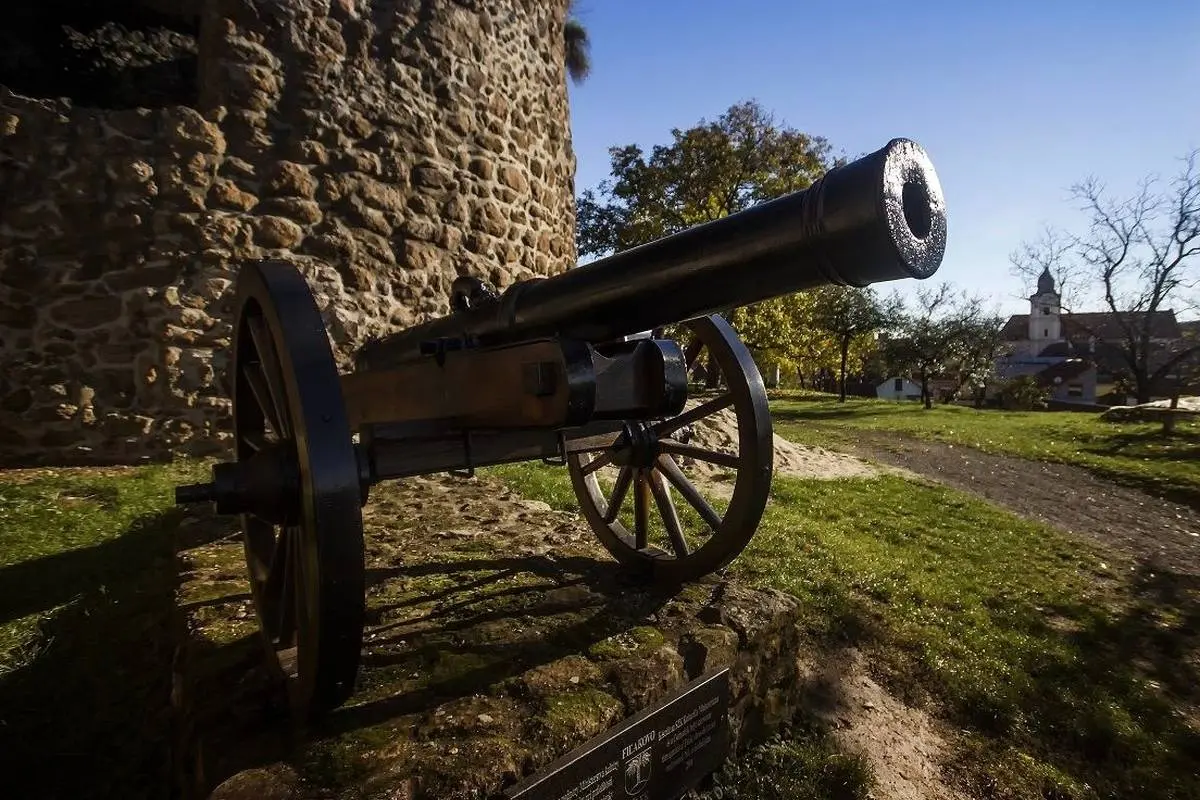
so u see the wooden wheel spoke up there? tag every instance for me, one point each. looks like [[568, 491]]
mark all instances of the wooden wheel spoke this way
[[277, 569], [260, 544], [620, 488], [602, 460], [700, 535], [666, 510], [700, 453], [255, 440], [690, 493], [708, 407], [641, 509], [289, 595], [268, 365], [256, 378]]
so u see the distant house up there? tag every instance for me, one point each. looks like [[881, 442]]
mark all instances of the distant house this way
[[1076, 356], [898, 389]]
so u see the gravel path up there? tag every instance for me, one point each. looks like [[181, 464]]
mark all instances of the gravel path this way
[[1140, 525]]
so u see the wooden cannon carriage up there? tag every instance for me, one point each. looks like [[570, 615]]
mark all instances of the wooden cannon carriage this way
[[551, 369]]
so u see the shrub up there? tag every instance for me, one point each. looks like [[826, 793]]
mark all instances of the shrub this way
[[1023, 393]]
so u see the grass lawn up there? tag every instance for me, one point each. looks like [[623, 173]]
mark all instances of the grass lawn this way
[[1135, 454], [1069, 674], [1066, 672]]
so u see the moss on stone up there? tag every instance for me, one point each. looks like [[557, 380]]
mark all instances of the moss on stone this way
[[707, 648], [580, 713], [633, 643], [456, 666], [348, 759], [214, 626], [201, 591], [695, 593], [560, 675]]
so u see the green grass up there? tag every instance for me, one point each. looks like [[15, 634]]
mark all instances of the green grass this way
[[801, 762], [86, 579], [1064, 670], [1067, 672], [1134, 454]]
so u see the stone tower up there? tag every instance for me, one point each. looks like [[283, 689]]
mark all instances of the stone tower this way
[[383, 146], [1045, 313]]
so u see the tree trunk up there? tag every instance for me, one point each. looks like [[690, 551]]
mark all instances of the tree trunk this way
[[842, 373], [1169, 419], [925, 397], [1141, 386]]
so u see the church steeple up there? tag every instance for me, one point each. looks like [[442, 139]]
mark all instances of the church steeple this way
[[1045, 284], [1045, 323]]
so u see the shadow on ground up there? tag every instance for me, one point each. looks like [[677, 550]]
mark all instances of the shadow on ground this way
[[502, 617], [456, 627], [1114, 708], [89, 715]]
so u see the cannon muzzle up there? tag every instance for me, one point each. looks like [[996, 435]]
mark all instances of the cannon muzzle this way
[[879, 218]]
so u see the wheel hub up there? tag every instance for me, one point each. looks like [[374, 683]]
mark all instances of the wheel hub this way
[[266, 485], [638, 448]]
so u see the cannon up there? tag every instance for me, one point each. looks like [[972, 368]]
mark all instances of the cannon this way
[[567, 369]]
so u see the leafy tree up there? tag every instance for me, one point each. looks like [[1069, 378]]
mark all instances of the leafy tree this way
[[784, 331], [923, 340], [578, 47], [850, 315], [1138, 256], [947, 335], [708, 171], [711, 170], [978, 343]]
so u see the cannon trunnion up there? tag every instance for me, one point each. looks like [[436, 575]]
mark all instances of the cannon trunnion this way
[[555, 369]]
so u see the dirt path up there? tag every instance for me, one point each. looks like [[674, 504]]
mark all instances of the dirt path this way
[[1134, 523], [905, 746]]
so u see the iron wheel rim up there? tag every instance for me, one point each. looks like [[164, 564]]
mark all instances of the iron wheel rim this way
[[308, 580]]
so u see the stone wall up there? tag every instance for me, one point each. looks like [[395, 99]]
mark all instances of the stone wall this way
[[382, 146]]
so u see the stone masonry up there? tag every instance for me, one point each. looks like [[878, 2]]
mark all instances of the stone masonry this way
[[383, 146]]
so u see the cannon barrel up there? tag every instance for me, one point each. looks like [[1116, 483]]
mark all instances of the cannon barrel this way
[[879, 218]]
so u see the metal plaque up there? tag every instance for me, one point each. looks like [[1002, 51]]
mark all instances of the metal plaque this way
[[657, 754]]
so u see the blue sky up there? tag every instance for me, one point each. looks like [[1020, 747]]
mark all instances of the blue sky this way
[[1014, 101]]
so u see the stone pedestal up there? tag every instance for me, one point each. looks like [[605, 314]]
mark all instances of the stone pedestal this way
[[501, 637]]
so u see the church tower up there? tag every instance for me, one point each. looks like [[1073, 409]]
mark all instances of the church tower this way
[[1045, 312]]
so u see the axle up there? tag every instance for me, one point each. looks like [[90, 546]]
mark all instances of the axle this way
[[470, 407]]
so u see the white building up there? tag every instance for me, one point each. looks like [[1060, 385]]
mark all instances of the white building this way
[[898, 389]]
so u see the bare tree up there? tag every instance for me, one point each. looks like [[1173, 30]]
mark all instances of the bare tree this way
[[1140, 255], [923, 339], [978, 343], [1051, 253]]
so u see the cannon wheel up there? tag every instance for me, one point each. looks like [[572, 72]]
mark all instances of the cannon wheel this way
[[305, 565], [646, 457]]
